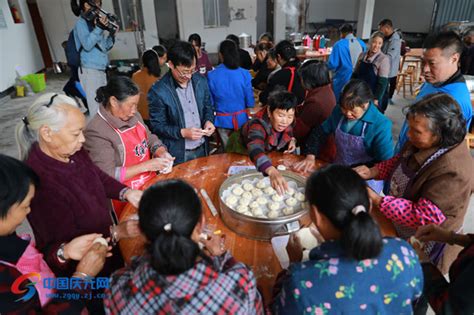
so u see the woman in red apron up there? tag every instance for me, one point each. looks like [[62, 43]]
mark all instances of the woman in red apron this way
[[120, 143], [23, 270]]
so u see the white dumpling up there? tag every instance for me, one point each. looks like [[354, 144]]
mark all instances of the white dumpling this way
[[273, 214], [257, 212], [262, 200], [254, 205], [261, 184], [248, 186], [242, 209], [291, 202], [277, 198], [288, 211], [231, 200], [248, 213], [244, 202], [290, 191], [237, 191], [247, 195], [299, 196], [273, 205], [269, 190], [257, 192]]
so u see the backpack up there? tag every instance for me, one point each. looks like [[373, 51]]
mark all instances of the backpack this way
[[73, 56]]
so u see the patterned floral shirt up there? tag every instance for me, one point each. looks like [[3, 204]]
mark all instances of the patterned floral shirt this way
[[332, 283]]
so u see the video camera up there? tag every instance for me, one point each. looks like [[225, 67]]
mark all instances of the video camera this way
[[96, 13]]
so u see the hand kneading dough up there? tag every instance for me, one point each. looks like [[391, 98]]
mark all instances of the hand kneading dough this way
[[273, 206], [273, 214], [247, 195], [242, 209], [288, 211], [269, 190], [257, 192], [247, 187], [262, 200], [254, 205], [307, 239], [237, 191], [261, 184], [277, 198], [299, 196], [244, 201], [291, 202], [231, 200]]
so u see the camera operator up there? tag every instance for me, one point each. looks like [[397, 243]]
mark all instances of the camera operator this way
[[94, 36]]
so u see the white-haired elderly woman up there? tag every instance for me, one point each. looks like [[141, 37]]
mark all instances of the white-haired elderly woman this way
[[72, 198], [431, 178]]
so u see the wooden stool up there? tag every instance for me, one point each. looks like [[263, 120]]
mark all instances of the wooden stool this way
[[404, 78]]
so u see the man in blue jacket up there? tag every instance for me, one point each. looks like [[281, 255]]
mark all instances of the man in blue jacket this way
[[344, 57], [181, 112], [441, 72]]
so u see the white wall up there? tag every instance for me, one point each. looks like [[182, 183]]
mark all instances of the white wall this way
[[18, 46], [191, 20], [59, 20], [320, 10], [408, 15]]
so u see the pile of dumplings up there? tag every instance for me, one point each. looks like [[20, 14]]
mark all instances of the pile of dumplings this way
[[259, 199]]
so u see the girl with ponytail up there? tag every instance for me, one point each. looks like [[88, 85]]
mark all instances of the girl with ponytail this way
[[355, 269], [175, 276]]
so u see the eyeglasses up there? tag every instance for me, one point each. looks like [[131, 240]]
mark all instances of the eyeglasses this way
[[187, 74], [51, 100]]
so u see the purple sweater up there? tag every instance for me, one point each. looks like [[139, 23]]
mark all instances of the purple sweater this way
[[71, 200]]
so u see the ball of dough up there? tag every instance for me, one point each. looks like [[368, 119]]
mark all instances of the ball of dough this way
[[277, 198], [290, 191], [281, 167], [257, 212], [288, 211], [247, 195], [244, 201], [248, 213], [299, 196], [291, 202], [231, 200], [254, 205], [247, 187], [273, 214], [269, 190], [257, 192], [242, 209], [261, 184], [262, 200], [237, 191], [273, 205], [101, 241]]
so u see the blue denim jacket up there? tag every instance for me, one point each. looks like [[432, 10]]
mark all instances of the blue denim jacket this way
[[95, 45], [166, 113]]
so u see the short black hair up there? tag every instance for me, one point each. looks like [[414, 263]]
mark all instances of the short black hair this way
[[119, 86], [230, 54], [386, 22], [160, 50], [150, 61], [355, 94], [444, 114], [286, 50], [282, 99], [169, 211], [182, 54], [337, 190], [272, 53], [263, 47], [314, 73], [447, 40], [15, 180], [346, 29], [234, 38], [195, 38]]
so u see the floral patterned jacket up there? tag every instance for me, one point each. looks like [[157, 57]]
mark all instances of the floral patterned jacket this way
[[332, 283]]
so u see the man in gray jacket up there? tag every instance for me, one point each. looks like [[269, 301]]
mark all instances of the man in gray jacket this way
[[391, 47]]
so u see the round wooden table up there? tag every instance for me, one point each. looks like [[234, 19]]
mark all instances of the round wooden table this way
[[209, 173]]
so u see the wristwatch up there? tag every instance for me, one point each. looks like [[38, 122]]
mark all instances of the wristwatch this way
[[60, 253]]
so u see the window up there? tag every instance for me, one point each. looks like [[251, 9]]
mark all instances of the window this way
[[129, 13], [216, 13]]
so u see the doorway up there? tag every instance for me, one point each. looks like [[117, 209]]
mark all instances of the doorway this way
[[166, 21], [40, 34]]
